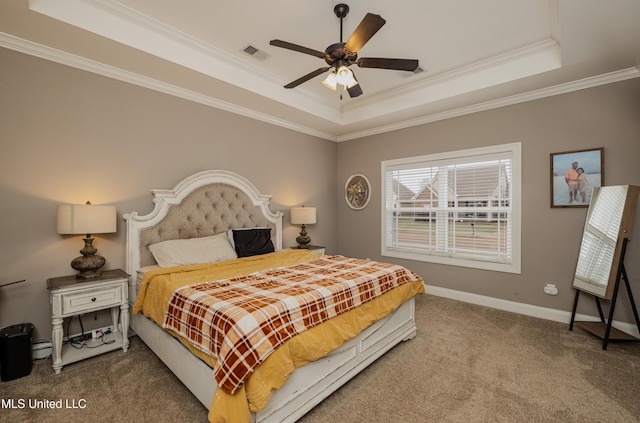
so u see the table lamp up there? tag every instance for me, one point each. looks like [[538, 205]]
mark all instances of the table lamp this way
[[303, 216], [74, 219]]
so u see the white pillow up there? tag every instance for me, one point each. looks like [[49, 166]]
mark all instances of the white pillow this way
[[179, 252]]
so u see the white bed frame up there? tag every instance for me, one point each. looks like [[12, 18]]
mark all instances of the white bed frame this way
[[308, 385]]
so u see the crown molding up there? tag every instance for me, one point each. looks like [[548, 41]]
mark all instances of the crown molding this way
[[568, 87], [38, 50], [133, 28], [44, 52], [519, 63], [117, 22], [546, 51]]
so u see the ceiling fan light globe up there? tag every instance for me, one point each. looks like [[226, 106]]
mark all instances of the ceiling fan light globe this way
[[330, 81], [351, 81], [344, 76]]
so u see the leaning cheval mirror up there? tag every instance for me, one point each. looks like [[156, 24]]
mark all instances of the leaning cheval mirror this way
[[600, 268]]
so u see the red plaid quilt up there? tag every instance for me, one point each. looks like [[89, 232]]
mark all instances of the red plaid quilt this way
[[240, 321]]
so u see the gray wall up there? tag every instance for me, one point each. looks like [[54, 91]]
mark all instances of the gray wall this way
[[606, 116], [68, 136]]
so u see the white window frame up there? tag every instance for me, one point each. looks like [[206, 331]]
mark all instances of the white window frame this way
[[514, 151]]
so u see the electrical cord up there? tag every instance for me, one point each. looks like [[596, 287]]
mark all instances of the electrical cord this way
[[84, 343], [111, 341], [76, 345]]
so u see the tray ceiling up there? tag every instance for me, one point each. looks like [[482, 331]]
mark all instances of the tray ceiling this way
[[473, 54]]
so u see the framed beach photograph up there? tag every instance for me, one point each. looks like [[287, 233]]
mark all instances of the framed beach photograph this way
[[574, 174]]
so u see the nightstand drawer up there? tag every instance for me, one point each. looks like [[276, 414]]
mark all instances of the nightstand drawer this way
[[76, 303]]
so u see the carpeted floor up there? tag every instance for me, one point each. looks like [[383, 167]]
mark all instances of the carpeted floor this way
[[467, 364]]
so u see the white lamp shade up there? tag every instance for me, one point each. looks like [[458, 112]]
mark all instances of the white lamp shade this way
[[344, 77], [303, 215], [86, 219], [331, 81]]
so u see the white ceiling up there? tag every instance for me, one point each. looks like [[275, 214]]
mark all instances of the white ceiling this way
[[475, 54]]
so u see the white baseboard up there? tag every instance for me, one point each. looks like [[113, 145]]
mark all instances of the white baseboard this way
[[522, 308]]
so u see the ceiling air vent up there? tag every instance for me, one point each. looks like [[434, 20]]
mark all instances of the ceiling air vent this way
[[256, 53]]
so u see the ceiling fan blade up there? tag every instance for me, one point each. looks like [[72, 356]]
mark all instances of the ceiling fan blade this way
[[295, 47], [307, 77], [395, 64], [363, 33], [355, 90]]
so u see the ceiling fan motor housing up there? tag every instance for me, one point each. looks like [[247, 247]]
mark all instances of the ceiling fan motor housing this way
[[336, 52]]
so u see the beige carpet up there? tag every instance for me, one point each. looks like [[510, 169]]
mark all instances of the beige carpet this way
[[467, 364]]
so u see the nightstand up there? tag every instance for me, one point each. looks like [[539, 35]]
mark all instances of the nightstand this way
[[313, 248], [70, 296]]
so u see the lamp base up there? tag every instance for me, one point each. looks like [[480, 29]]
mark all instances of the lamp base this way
[[303, 239], [89, 274], [89, 262]]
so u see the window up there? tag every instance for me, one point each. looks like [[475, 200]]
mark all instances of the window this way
[[460, 208]]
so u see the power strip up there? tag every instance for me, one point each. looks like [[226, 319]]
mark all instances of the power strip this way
[[42, 350], [80, 338], [94, 334]]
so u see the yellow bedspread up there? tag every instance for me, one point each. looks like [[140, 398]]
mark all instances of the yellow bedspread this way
[[158, 286]]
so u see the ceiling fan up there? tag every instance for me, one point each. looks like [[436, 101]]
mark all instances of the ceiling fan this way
[[341, 55]]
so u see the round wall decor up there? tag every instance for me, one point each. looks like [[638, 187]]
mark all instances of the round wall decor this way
[[357, 191]]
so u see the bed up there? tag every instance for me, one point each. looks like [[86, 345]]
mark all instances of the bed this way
[[216, 202]]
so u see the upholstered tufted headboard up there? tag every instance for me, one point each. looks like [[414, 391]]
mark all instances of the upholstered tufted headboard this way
[[203, 204]]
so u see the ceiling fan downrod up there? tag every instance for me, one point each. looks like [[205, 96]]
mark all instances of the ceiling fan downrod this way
[[341, 10]]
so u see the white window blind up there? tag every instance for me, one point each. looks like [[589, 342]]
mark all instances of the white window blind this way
[[457, 208]]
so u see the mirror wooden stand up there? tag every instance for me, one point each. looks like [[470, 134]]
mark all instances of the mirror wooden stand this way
[[603, 328], [600, 268]]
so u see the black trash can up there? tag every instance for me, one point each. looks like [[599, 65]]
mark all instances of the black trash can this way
[[16, 352]]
